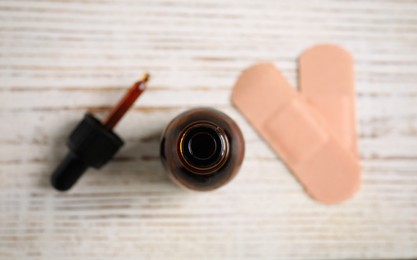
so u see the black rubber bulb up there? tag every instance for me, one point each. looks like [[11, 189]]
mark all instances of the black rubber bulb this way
[[68, 172], [91, 144]]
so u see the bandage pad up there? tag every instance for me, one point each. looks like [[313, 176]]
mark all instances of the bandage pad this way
[[326, 79], [328, 172]]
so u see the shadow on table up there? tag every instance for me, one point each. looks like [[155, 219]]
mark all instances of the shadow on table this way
[[139, 162]]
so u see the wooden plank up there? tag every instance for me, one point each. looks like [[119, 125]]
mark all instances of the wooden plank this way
[[59, 59]]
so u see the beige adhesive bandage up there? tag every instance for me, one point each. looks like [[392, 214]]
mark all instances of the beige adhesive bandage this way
[[326, 79], [298, 133]]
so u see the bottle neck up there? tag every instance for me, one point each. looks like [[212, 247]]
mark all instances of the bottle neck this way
[[203, 148]]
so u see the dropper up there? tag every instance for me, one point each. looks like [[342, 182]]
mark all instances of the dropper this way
[[93, 143], [126, 102]]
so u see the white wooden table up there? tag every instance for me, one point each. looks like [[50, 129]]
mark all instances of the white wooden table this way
[[59, 59]]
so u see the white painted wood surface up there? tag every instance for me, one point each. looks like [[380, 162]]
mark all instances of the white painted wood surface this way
[[61, 58]]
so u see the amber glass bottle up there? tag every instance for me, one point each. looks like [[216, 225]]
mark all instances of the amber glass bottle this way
[[202, 149]]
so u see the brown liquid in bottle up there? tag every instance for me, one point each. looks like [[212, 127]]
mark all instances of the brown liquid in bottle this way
[[202, 149]]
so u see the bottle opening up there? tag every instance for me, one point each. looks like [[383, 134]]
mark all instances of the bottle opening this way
[[203, 148]]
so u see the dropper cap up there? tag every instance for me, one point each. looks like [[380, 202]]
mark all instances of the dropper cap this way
[[93, 143]]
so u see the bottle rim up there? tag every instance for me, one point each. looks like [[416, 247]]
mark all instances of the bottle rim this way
[[212, 160]]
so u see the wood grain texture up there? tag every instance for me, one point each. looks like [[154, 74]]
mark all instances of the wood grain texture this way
[[60, 58]]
